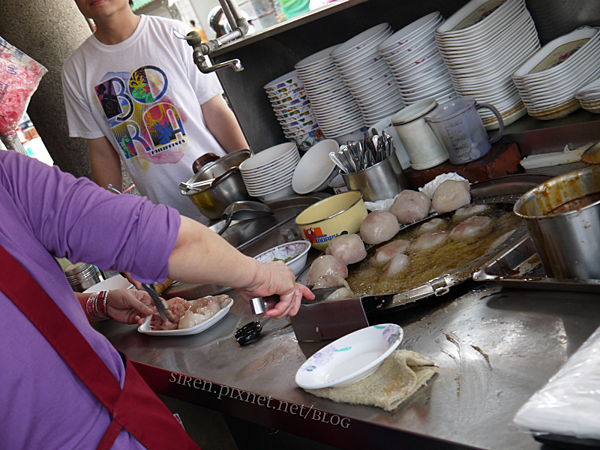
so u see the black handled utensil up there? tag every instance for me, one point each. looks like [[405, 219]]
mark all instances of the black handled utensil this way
[[160, 307], [250, 332]]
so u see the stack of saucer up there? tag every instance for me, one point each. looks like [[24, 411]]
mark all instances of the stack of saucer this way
[[416, 63], [293, 110], [549, 80], [333, 105], [589, 97], [268, 174], [367, 75], [482, 45]]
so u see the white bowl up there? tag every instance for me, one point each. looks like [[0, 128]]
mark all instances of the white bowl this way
[[413, 72], [544, 54], [270, 156], [459, 24], [315, 169], [414, 30], [271, 184], [284, 81], [360, 40], [293, 254], [350, 358], [270, 173], [338, 184], [589, 90], [315, 59], [286, 192], [355, 135], [413, 54]]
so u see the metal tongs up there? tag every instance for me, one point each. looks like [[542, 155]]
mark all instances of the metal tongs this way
[[250, 332]]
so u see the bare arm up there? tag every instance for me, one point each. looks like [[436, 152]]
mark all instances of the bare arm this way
[[222, 123], [105, 162], [201, 256]]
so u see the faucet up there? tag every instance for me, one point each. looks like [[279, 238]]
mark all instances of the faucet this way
[[203, 49]]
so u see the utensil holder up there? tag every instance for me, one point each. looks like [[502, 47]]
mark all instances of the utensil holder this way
[[379, 182]]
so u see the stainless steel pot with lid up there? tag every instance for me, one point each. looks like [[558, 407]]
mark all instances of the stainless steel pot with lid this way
[[227, 185]]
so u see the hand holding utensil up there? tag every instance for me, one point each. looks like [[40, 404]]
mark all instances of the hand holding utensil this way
[[160, 307]]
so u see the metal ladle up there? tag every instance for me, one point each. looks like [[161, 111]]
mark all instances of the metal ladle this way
[[242, 210]]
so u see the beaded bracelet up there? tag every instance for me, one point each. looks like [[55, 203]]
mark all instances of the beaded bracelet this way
[[96, 306]]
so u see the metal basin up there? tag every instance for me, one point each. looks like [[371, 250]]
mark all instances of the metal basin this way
[[227, 187], [568, 243]]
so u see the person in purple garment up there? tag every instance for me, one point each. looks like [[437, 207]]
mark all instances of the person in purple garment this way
[[46, 213]]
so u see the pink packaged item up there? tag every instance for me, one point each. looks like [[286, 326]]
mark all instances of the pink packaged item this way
[[19, 78]]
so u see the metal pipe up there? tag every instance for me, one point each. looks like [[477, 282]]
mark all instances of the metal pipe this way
[[234, 16], [239, 26]]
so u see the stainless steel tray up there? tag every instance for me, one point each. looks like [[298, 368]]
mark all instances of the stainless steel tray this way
[[503, 190], [520, 267], [442, 284]]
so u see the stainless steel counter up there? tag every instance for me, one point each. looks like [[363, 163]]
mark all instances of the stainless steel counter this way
[[494, 349]]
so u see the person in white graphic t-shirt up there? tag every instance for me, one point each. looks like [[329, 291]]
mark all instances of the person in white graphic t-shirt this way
[[134, 93]]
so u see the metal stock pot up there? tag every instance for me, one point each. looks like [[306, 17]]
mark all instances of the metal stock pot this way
[[227, 185]]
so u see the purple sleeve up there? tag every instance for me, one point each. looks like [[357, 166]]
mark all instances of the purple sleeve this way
[[76, 219]]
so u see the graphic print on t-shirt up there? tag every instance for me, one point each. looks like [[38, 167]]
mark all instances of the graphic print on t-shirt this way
[[142, 119]]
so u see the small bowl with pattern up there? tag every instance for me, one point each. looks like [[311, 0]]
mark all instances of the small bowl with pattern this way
[[293, 254], [350, 358]]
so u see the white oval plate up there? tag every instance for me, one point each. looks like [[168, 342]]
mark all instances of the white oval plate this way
[[145, 327], [350, 358]]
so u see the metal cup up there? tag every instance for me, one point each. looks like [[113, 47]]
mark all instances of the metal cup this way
[[379, 182], [82, 276]]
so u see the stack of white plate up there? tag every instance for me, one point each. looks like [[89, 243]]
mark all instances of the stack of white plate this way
[[367, 75], [482, 45], [333, 105], [416, 63], [293, 110], [589, 97], [549, 80], [268, 174]]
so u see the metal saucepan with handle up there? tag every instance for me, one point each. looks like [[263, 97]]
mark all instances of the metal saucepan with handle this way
[[226, 185]]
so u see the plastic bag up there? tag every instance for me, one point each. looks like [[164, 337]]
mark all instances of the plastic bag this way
[[569, 404], [430, 187], [19, 78]]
